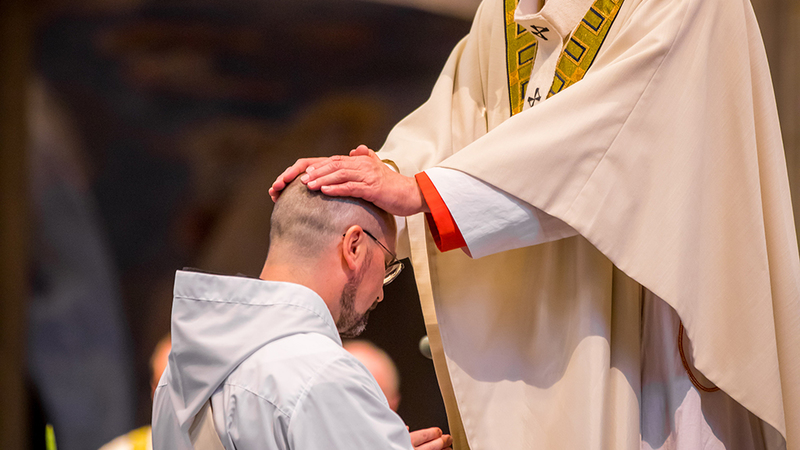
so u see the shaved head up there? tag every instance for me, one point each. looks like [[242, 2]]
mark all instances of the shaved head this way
[[309, 221], [322, 243]]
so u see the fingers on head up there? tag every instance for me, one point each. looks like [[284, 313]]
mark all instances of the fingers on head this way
[[332, 165], [341, 190], [361, 150]]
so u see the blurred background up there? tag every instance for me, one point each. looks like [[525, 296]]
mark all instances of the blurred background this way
[[138, 137]]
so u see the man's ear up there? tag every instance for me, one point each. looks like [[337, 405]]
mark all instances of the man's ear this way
[[354, 247]]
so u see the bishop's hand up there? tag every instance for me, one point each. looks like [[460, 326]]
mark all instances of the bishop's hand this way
[[361, 174]]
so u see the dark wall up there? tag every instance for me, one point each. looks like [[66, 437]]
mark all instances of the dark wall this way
[[184, 112]]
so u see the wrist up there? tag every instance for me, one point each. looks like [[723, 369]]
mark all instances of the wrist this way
[[423, 205], [418, 198]]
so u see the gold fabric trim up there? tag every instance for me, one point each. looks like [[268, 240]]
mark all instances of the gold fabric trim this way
[[582, 47], [421, 244], [576, 58], [520, 56]]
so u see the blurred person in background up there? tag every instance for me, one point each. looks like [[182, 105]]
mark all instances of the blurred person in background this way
[[142, 438], [79, 354], [380, 365]]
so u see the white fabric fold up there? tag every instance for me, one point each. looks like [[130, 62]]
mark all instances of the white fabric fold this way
[[268, 357], [490, 220], [667, 159]]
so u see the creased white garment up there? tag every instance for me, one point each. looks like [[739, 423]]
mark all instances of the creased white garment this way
[[490, 220], [666, 158], [675, 414], [269, 357]]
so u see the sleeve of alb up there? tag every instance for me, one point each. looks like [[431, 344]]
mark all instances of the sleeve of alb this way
[[473, 215], [345, 409]]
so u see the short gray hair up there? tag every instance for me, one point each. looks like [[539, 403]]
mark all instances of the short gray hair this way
[[310, 220]]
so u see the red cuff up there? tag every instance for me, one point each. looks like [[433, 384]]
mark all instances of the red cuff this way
[[443, 228]]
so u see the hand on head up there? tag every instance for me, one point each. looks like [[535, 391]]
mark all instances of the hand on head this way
[[362, 174]]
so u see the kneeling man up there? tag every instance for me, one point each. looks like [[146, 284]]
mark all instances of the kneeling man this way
[[259, 363]]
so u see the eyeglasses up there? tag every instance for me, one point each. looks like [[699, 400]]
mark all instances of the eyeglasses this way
[[393, 267]]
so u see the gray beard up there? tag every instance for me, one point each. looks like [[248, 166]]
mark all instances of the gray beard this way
[[350, 323]]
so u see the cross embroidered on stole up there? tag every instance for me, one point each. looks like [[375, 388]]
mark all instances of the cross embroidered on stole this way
[[576, 57]]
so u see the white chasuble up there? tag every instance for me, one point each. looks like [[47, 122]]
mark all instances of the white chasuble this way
[[657, 140]]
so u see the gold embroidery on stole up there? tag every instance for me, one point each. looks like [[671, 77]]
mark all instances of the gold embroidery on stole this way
[[584, 44], [520, 55], [575, 59]]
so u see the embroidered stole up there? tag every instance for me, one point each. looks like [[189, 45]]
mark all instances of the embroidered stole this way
[[576, 57]]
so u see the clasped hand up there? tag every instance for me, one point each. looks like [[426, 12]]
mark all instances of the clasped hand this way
[[431, 439], [362, 174]]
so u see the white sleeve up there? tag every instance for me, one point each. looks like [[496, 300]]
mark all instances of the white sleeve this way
[[346, 410], [490, 220]]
